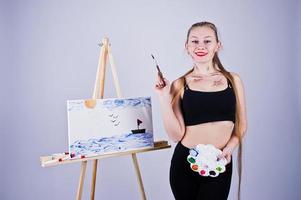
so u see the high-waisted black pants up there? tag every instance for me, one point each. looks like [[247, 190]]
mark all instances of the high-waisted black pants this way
[[189, 185]]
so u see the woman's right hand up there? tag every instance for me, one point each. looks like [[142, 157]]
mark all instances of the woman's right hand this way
[[163, 90]]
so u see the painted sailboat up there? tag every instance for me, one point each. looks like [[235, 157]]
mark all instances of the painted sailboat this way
[[135, 131]]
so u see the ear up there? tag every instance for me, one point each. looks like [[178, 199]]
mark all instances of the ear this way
[[218, 47], [186, 47]]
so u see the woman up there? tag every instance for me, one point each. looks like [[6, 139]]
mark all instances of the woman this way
[[204, 106]]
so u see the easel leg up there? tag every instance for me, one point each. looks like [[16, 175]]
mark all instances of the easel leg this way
[[81, 180], [134, 157], [94, 173]]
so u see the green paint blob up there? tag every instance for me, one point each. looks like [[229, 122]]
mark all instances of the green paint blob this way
[[219, 169], [191, 160]]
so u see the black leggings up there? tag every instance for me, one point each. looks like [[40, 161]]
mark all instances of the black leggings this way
[[189, 185]]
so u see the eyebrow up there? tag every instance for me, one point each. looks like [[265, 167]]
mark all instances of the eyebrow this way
[[204, 37]]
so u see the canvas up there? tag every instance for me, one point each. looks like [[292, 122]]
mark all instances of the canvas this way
[[109, 125]]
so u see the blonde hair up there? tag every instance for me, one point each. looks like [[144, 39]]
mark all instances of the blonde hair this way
[[178, 86]]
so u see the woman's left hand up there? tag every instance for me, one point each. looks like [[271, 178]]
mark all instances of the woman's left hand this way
[[227, 153]]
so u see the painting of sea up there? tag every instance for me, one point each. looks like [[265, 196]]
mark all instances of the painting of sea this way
[[109, 125]]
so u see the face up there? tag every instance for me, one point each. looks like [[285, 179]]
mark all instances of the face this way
[[202, 44]]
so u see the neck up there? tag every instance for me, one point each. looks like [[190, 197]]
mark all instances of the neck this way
[[203, 68]]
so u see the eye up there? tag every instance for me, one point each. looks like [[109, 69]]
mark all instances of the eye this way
[[207, 41], [195, 41]]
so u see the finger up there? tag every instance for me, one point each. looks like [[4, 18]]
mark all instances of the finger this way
[[165, 80], [158, 81], [159, 86], [228, 157], [159, 77], [222, 155]]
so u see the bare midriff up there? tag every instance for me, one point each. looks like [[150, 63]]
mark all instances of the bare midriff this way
[[216, 133]]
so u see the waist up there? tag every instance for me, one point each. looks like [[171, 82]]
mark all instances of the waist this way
[[216, 133], [208, 119]]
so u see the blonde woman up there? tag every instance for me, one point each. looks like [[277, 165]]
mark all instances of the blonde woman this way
[[204, 106]]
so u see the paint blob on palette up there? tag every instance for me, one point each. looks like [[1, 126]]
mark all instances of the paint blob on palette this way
[[204, 160], [104, 126]]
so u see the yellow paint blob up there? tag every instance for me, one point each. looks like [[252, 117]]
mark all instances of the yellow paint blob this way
[[90, 103]]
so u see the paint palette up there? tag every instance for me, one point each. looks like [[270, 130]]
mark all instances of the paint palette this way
[[204, 160]]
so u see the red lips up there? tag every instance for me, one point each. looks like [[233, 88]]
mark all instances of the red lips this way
[[201, 53]]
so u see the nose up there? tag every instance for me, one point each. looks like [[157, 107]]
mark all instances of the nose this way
[[200, 45]]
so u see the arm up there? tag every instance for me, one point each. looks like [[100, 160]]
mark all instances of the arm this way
[[172, 117], [234, 140]]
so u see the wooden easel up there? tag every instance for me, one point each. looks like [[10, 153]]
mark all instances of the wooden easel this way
[[98, 93]]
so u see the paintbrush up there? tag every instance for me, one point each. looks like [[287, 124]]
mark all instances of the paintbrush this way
[[159, 72]]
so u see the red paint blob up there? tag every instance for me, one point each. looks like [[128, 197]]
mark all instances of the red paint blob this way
[[194, 167]]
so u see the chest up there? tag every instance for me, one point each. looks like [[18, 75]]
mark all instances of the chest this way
[[209, 102], [207, 84]]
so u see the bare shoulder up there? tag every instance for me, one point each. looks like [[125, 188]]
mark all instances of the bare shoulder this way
[[237, 79], [238, 84], [235, 76], [177, 83], [176, 87]]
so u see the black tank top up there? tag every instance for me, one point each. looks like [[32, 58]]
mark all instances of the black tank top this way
[[200, 107]]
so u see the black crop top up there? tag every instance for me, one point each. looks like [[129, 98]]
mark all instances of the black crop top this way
[[200, 107]]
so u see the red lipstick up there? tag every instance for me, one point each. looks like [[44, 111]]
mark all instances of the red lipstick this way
[[201, 54]]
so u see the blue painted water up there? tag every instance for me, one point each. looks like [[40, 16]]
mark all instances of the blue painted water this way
[[118, 143], [111, 104]]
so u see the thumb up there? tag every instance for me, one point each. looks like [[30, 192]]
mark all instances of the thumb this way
[[165, 80], [222, 155]]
